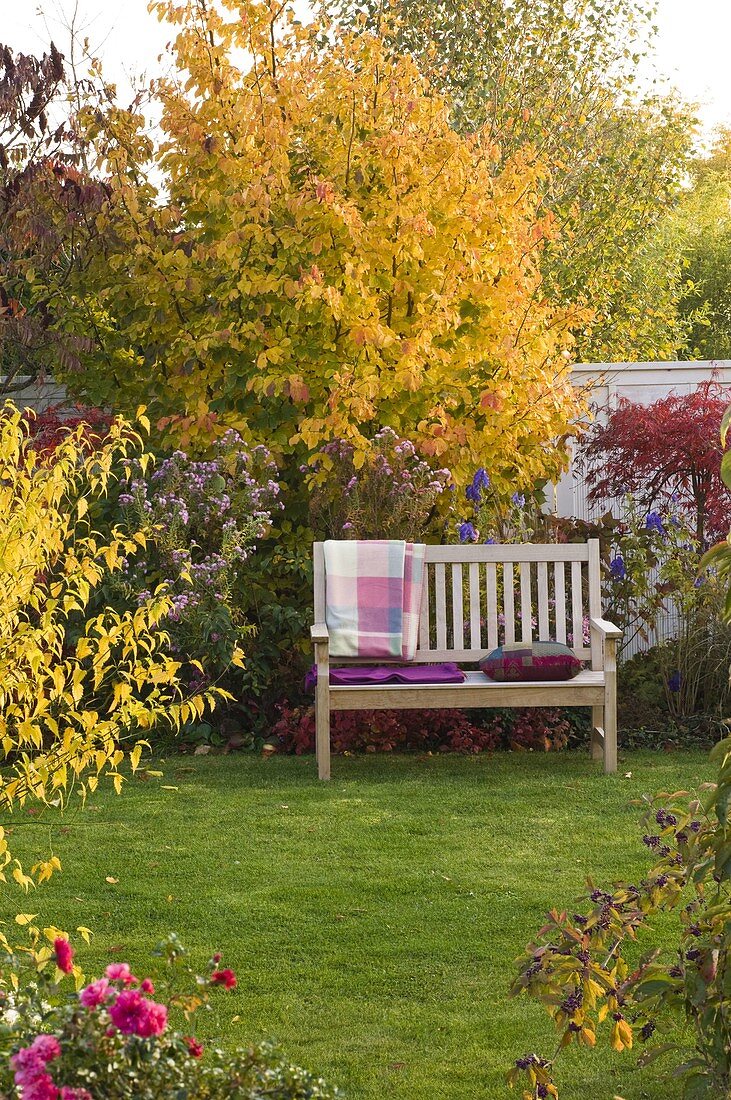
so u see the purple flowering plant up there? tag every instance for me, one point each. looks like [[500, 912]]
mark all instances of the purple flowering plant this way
[[394, 494], [497, 518], [675, 1005], [204, 517], [654, 577]]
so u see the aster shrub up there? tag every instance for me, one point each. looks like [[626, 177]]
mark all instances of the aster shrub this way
[[204, 518], [393, 493], [582, 966], [122, 1036]]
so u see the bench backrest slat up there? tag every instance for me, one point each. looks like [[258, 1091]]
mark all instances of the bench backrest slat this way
[[492, 613], [475, 598], [559, 587]]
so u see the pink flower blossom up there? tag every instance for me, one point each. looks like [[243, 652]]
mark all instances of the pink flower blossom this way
[[96, 993], [29, 1066], [152, 1020], [195, 1048], [64, 954], [226, 978], [133, 1014], [46, 1047], [146, 986], [120, 972], [40, 1088]]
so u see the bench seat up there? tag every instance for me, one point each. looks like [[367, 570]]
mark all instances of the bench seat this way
[[584, 690]]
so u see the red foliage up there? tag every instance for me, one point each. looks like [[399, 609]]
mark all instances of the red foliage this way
[[671, 446], [384, 731], [47, 429], [540, 729], [423, 730]]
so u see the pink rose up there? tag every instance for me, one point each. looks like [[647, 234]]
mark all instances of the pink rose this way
[[46, 1047], [120, 972], [40, 1088], [225, 977], [152, 1020], [133, 1014], [195, 1048], [146, 986], [64, 954], [96, 993], [29, 1066]]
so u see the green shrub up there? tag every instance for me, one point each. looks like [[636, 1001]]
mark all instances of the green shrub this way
[[579, 970]]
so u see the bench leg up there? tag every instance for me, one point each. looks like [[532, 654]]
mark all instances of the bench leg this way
[[322, 723], [597, 733], [610, 706]]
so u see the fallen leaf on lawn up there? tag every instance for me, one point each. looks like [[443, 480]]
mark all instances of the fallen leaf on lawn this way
[[628, 775], [112, 879], [166, 788], [115, 950], [396, 1065], [202, 750]]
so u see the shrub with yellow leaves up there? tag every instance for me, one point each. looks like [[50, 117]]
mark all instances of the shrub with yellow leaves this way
[[78, 690]]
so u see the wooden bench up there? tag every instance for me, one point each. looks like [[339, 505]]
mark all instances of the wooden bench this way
[[475, 598]]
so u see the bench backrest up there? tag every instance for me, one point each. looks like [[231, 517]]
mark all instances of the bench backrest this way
[[476, 597]]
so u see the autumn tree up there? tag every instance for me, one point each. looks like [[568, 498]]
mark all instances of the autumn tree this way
[[561, 79], [47, 205], [79, 689], [670, 448], [701, 234], [311, 250]]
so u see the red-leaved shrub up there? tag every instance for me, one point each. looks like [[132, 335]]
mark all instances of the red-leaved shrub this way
[[526, 729], [47, 429], [384, 731], [539, 729]]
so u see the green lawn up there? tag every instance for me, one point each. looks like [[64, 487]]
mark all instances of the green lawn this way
[[372, 921]]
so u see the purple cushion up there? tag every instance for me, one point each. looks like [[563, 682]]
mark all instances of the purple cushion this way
[[525, 661], [385, 674]]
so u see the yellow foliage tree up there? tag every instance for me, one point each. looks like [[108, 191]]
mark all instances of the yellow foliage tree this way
[[77, 691], [325, 255]]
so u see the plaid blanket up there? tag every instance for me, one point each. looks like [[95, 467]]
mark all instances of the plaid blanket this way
[[373, 597]]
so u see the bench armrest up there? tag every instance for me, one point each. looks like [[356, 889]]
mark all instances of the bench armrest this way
[[319, 633], [607, 629]]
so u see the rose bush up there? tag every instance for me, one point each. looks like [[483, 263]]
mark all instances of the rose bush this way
[[114, 1038]]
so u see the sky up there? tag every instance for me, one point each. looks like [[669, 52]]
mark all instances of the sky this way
[[692, 47]]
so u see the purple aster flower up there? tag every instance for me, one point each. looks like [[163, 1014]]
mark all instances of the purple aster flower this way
[[518, 500]]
